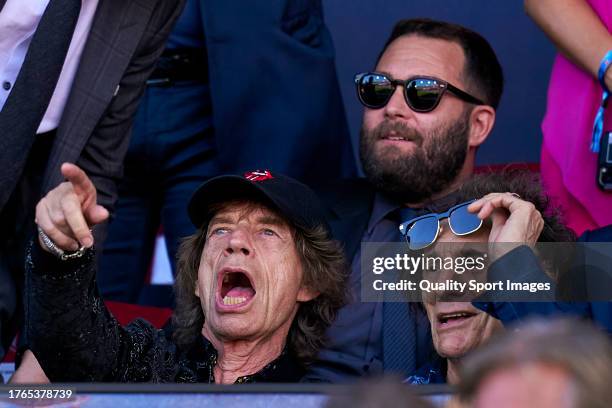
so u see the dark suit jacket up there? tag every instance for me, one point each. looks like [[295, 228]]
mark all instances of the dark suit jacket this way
[[351, 350], [126, 39], [275, 95], [512, 312]]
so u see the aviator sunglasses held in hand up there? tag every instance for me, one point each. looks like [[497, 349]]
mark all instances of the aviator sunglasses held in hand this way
[[420, 232], [422, 93]]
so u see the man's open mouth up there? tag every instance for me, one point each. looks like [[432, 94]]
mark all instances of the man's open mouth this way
[[455, 317], [235, 287], [400, 137], [397, 138]]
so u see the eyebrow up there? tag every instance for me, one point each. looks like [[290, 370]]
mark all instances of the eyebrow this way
[[265, 219], [384, 73], [220, 220], [271, 220]]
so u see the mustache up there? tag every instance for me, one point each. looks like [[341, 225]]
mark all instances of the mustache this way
[[398, 129]]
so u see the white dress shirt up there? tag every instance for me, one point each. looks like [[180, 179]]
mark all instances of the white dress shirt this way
[[18, 22]]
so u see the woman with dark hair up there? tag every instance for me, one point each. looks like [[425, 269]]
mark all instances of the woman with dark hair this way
[[257, 286]]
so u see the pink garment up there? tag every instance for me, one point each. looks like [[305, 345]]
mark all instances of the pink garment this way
[[567, 164]]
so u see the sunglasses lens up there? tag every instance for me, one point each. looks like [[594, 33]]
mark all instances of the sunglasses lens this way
[[464, 222], [423, 232], [423, 94], [375, 90]]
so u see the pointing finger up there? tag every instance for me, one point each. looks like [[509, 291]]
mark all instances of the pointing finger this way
[[83, 186], [76, 220], [96, 214]]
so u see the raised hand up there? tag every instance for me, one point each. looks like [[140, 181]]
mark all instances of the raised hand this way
[[513, 219], [67, 212]]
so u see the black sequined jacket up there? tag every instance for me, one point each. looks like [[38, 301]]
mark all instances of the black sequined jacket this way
[[76, 339]]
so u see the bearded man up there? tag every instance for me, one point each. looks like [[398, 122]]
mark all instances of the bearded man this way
[[429, 103]]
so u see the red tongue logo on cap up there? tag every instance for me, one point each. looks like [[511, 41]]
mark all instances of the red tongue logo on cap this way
[[258, 175]]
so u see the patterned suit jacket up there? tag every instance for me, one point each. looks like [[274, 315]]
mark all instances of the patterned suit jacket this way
[[126, 39]]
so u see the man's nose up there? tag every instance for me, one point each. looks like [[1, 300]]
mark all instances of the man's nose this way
[[239, 242], [452, 293], [397, 108]]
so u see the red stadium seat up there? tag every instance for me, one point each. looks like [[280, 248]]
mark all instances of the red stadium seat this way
[[10, 354], [126, 312]]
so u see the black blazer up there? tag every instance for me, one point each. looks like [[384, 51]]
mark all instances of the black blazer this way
[[274, 89], [125, 40], [349, 204]]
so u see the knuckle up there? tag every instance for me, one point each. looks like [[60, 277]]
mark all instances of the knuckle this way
[[42, 222], [68, 199], [65, 243], [40, 206], [63, 187], [57, 218], [53, 232], [53, 200], [80, 231]]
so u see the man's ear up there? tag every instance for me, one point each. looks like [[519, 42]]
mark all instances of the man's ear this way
[[482, 120], [197, 292], [306, 294]]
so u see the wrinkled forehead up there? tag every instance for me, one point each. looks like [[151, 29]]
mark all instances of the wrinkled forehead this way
[[252, 210]]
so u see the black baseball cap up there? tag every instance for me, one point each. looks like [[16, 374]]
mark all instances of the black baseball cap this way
[[294, 200]]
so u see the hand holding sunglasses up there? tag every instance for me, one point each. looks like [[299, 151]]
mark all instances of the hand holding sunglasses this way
[[513, 220], [422, 93]]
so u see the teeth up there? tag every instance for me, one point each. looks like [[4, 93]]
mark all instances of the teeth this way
[[226, 279], [453, 316], [232, 300]]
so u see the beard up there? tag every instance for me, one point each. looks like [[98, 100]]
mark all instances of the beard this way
[[432, 165]]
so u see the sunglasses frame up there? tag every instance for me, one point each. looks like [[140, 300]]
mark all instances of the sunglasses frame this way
[[404, 230], [443, 86]]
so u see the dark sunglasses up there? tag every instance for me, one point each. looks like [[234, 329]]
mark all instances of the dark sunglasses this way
[[422, 93], [421, 232]]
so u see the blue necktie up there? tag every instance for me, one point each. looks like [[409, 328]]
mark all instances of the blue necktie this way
[[399, 325]]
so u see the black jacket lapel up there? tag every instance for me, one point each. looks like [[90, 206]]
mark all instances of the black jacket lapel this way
[[117, 28], [349, 205]]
